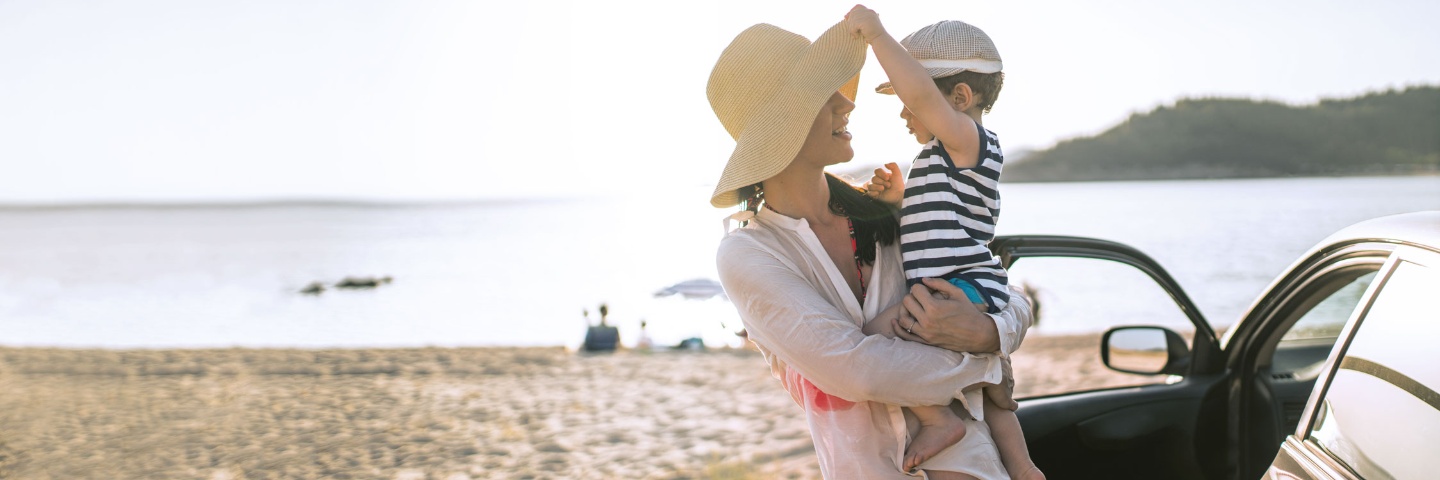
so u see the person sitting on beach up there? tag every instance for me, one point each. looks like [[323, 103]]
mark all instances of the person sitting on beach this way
[[951, 202], [602, 337], [644, 342], [815, 258]]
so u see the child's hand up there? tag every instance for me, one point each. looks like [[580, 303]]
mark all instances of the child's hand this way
[[888, 185], [865, 23]]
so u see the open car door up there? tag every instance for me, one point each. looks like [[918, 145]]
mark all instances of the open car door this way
[[1135, 426]]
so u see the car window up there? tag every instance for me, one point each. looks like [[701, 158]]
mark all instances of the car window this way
[[1079, 299], [1325, 320], [1301, 351], [1381, 409]]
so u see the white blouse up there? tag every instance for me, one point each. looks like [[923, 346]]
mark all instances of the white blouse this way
[[799, 311]]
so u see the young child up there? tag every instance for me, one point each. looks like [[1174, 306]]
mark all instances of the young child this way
[[949, 204]]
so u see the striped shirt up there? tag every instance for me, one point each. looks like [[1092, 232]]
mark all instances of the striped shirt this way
[[948, 218]]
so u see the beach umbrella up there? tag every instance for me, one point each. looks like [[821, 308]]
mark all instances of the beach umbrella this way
[[706, 291], [694, 289]]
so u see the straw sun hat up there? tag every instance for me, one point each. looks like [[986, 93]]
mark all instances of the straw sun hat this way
[[950, 47], [767, 88]]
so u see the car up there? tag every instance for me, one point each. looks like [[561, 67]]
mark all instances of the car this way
[[1331, 373]]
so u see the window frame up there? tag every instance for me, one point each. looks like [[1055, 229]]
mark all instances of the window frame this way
[[1301, 301], [1205, 345]]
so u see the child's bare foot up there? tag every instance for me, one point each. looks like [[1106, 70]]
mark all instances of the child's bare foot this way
[[936, 435], [1031, 473]]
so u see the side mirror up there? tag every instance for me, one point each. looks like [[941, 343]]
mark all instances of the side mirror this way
[[1145, 351]]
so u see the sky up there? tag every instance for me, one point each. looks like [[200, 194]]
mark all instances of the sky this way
[[426, 100]]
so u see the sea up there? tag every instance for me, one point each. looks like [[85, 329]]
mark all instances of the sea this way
[[534, 273]]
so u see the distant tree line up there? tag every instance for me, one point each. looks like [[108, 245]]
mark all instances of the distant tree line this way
[[1386, 133]]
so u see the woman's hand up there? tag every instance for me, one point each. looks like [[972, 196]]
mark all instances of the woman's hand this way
[[945, 319]]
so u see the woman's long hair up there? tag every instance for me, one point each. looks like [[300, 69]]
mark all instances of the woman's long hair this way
[[874, 220]]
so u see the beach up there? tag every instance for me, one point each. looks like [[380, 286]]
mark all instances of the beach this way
[[427, 413]]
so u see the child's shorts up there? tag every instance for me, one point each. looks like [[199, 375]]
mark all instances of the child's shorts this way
[[971, 291]]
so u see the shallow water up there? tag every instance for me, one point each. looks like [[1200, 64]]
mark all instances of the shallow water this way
[[521, 273]]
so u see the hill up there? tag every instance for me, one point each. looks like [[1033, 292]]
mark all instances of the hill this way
[[1392, 132]]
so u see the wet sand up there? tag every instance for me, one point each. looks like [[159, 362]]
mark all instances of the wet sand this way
[[426, 413]]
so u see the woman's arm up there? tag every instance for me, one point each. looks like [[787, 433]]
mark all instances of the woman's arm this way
[[783, 313]]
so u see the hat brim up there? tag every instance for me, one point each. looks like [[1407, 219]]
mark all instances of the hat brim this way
[[774, 136], [943, 68]]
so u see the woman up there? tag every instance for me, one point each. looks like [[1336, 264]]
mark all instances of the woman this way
[[819, 259]]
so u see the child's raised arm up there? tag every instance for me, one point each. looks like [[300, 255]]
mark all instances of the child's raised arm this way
[[917, 90]]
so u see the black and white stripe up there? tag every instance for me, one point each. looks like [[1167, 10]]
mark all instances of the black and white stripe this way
[[948, 218]]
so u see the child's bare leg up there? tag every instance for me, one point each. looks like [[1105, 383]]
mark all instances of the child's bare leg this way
[[939, 429], [1005, 430]]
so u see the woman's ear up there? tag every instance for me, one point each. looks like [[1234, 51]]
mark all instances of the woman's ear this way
[[963, 98]]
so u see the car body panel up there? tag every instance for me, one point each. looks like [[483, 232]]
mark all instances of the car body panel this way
[[1299, 457]]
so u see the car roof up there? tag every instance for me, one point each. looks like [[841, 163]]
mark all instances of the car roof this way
[[1421, 228]]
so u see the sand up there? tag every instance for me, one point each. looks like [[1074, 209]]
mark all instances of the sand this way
[[426, 413]]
